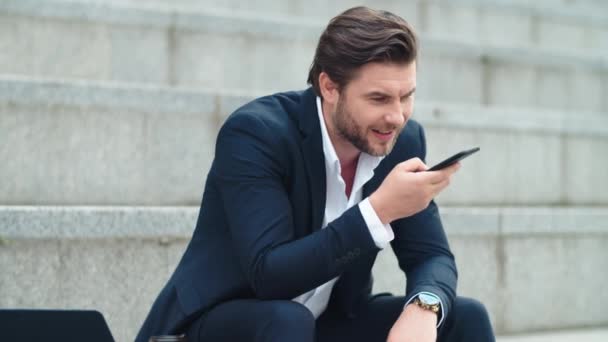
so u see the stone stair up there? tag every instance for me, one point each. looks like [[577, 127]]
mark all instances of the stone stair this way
[[543, 23], [109, 111], [115, 259], [83, 143], [223, 50]]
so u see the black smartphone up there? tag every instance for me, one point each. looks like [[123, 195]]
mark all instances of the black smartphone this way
[[458, 156]]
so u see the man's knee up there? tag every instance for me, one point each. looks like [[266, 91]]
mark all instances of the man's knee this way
[[289, 312], [471, 309], [472, 316], [291, 319]]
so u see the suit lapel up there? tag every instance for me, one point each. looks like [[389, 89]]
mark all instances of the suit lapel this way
[[312, 150]]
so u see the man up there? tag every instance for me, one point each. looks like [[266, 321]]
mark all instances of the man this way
[[305, 189]]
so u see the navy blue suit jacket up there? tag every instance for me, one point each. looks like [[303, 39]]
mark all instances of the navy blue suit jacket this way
[[259, 232]]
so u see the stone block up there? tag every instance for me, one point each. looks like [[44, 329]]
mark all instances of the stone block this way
[[33, 47], [454, 79], [511, 85], [554, 89], [585, 91], [253, 63], [29, 276], [550, 272], [559, 35], [595, 37], [465, 222], [504, 28], [178, 153], [532, 168], [605, 91], [479, 261], [140, 54], [585, 165], [583, 221], [53, 155], [114, 277], [453, 20], [59, 136], [91, 50], [510, 168]]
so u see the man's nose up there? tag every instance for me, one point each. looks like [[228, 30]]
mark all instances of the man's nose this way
[[395, 116]]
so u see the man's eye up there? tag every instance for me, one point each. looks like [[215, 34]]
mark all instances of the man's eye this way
[[379, 99]]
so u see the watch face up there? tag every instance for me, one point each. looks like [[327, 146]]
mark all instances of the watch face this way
[[428, 299]]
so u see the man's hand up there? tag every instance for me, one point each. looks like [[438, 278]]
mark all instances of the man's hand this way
[[406, 191], [414, 325]]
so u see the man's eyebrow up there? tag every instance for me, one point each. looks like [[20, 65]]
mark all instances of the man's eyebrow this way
[[410, 92], [379, 93]]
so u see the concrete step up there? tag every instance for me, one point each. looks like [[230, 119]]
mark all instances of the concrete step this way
[[221, 50], [576, 6], [116, 259], [587, 335], [549, 23], [78, 143]]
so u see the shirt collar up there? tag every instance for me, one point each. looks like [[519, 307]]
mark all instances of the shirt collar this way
[[366, 165]]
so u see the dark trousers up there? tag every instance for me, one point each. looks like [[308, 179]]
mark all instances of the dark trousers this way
[[281, 320]]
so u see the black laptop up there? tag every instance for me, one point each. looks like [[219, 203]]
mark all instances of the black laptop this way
[[24, 325]]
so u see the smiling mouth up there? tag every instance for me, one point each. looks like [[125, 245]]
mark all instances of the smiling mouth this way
[[383, 136], [383, 132]]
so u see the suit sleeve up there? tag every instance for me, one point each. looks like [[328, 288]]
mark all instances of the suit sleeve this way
[[423, 252], [251, 165]]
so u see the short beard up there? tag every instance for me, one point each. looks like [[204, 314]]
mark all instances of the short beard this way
[[352, 132]]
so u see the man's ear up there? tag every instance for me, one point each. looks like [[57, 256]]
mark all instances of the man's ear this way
[[329, 89]]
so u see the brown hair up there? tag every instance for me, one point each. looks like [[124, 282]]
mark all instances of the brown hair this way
[[358, 36]]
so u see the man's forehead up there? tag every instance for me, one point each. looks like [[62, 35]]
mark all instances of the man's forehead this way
[[386, 78]]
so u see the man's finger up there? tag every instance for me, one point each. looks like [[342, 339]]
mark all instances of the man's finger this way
[[413, 165], [438, 187], [433, 177]]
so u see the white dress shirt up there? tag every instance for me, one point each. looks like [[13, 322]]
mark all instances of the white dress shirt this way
[[337, 203]]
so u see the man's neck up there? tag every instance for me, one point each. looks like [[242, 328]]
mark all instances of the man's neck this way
[[348, 155]]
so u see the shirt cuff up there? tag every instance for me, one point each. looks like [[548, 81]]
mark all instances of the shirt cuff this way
[[442, 316], [381, 233]]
